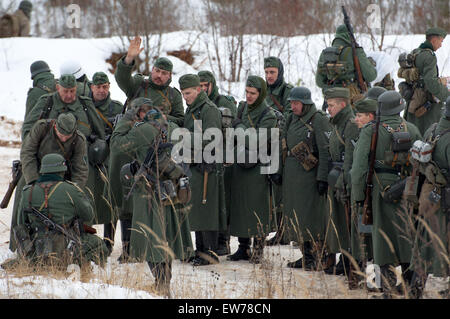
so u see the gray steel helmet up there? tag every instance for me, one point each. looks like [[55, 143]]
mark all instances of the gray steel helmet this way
[[374, 92], [98, 151], [53, 163], [302, 94], [38, 67], [391, 103], [447, 107]]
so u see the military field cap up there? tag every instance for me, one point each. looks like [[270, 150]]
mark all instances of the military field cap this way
[[38, 67], [436, 31], [337, 92], [366, 106], [66, 123], [53, 163], [271, 62], [67, 81], [374, 92], [100, 78], [188, 81], [164, 64], [206, 76], [140, 101]]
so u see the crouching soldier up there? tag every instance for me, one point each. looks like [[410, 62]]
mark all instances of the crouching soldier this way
[[159, 188], [50, 227]]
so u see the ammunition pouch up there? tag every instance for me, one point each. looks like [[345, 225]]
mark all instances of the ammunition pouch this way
[[410, 74], [393, 193], [423, 109], [184, 190], [335, 172], [401, 141], [303, 154]]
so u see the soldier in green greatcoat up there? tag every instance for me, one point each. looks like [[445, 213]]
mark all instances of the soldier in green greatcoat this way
[[74, 67], [66, 100], [43, 83], [107, 109], [156, 87], [66, 205], [157, 234], [391, 231], [336, 68], [224, 103], [277, 98], [432, 242], [250, 207], [430, 92], [305, 175], [51, 136], [207, 216], [344, 135]]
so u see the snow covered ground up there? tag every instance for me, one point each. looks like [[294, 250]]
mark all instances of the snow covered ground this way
[[271, 279]]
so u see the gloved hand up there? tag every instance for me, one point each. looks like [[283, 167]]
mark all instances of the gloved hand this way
[[276, 178], [322, 188], [236, 122]]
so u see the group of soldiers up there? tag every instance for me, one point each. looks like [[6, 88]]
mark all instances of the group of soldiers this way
[[87, 160]]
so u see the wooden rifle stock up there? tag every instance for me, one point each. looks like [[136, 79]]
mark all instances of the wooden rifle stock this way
[[367, 218], [8, 195], [359, 77], [16, 175]]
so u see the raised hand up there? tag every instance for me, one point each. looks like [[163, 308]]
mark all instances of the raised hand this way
[[133, 50]]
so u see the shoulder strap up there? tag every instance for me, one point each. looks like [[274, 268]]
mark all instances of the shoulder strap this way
[[47, 109], [240, 111], [267, 109]]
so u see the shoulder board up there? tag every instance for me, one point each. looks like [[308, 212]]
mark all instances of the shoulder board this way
[[27, 187], [321, 112], [138, 124], [83, 97]]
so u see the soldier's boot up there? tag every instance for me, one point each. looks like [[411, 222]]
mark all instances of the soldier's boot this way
[[109, 231], [162, 272], [280, 236], [223, 244], [308, 257], [208, 255], [388, 281], [125, 228], [243, 252], [258, 250]]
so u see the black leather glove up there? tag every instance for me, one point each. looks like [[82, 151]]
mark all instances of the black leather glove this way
[[276, 178], [322, 188]]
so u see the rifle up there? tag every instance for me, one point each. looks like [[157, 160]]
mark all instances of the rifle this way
[[359, 77], [51, 225], [16, 175], [148, 161], [367, 218]]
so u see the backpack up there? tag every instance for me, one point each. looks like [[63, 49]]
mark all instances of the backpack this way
[[332, 66], [7, 25]]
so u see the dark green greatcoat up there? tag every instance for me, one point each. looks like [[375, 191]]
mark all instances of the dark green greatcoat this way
[[344, 135], [43, 83], [388, 218], [426, 63], [250, 189], [304, 208], [157, 234], [432, 248], [89, 123], [105, 211], [167, 98], [212, 215]]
